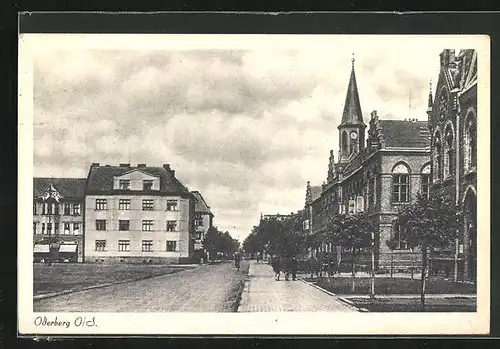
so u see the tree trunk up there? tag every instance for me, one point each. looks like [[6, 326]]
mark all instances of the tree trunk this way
[[392, 263], [412, 264], [372, 288], [423, 277], [353, 288]]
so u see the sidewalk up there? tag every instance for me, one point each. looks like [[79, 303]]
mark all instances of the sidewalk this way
[[263, 294]]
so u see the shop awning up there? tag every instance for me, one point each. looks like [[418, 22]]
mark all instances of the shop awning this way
[[67, 248], [41, 249]]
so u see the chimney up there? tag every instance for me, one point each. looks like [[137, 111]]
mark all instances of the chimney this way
[[172, 172], [166, 167], [374, 114], [141, 165], [124, 165], [95, 164]]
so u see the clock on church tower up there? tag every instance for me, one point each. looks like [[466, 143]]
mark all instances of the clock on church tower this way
[[354, 135]]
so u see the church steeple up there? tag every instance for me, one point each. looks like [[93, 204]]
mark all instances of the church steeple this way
[[352, 127], [352, 108]]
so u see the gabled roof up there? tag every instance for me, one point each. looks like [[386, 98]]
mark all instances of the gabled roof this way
[[403, 133], [200, 204], [352, 108], [100, 178], [73, 188]]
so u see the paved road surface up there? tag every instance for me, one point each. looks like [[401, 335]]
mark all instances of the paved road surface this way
[[203, 289], [263, 294]]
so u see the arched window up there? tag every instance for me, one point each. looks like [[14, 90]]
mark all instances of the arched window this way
[[425, 181], [400, 183], [436, 157], [448, 152], [344, 143], [470, 150]]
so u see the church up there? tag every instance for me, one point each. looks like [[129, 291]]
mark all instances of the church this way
[[380, 166]]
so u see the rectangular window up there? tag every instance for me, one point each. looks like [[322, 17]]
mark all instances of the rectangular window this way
[[50, 208], [67, 209], [43, 228], [426, 185], [101, 204], [49, 228], [76, 209], [34, 208], [34, 228], [171, 225], [100, 224], [147, 185], [147, 225], [44, 208], [123, 225], [171, 205], [56, 209], [148, 205], [124, 245], [124, 204], [76, 228], [198, 223], [124, 184], [400, 188], [171, 246], [56, 228], [147, 245], [66, 228], [100, 245]]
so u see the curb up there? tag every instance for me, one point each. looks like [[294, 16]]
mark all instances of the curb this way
[[74, 290], [342, 299]]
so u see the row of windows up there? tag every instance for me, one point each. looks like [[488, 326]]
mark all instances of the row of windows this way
[[124, 184], [53, 209], [124, 246], [124, 225], [124, 204], [443, 151], [47, 228]]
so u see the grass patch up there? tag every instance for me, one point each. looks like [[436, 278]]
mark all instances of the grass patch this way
[[413, 305], [64, 277], [385, 285], [233, 297]]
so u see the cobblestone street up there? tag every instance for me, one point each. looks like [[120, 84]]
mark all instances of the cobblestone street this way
[[204, 289], [263, 294]]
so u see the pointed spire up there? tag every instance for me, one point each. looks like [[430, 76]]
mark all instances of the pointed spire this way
[[352, 108], [429, 104]]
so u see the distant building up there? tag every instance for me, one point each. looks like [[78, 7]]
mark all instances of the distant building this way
[[58, 207], [453, 124], [137, 215], [277, 216], [375, 176], [203, 220]]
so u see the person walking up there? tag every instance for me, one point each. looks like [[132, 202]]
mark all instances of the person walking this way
[[237, 259], [293, 268], [276, 265]]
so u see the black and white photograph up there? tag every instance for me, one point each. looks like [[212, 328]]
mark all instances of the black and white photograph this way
[[254, 184]]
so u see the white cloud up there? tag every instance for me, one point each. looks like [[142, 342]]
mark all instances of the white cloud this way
[[247, 128]]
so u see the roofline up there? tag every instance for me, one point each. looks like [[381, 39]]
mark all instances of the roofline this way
[[202, 198], [139, 169], [112, 192]]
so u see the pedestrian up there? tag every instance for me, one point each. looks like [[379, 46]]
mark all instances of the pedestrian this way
[[276, 265], [293, 268], [237, 259]]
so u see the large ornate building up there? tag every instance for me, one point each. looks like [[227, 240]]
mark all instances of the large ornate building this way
[[452, 117], [375, 176]]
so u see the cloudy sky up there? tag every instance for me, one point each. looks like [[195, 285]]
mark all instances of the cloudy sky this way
[[246, 126]]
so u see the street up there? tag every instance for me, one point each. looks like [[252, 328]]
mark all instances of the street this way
[[208, 288]]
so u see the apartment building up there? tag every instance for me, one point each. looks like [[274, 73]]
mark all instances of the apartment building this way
[[58, 206], [137, 214], [203, 220]]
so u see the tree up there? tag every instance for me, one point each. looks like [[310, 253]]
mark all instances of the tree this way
[[219, 242], [353, 232], [428, 224]]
